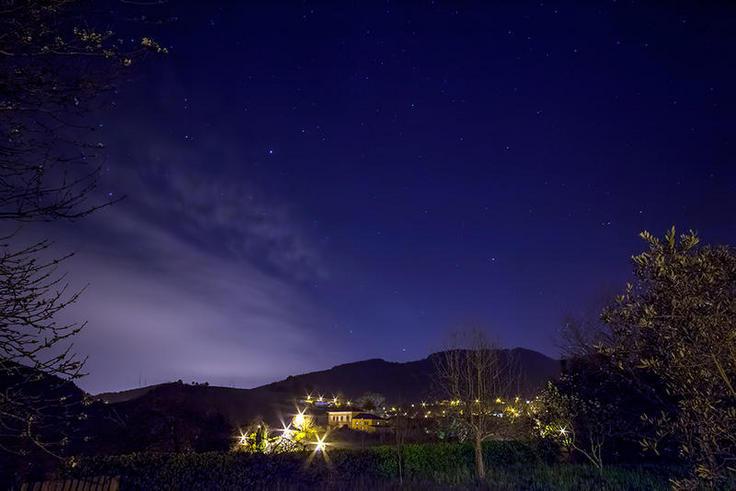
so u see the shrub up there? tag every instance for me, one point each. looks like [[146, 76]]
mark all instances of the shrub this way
[[511, 465], [440, 463]]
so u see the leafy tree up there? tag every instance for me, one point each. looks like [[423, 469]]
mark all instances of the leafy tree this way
[[258, 437], [371, 401], [594, 409], [677, 321]]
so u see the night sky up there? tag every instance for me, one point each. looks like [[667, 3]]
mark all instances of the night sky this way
[[310, 185]]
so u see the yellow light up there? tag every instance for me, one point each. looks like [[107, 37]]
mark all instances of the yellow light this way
[[498, 400], [320, 398], [477, 401]]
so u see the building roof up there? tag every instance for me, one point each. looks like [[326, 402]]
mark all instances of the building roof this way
[[345, 409]]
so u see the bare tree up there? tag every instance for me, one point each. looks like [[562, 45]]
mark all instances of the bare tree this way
[[33, 352], [400, 431], [55, 66], [583, 332], [475, 375]]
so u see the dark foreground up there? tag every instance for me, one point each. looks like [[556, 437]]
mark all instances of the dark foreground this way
[[432, 466]]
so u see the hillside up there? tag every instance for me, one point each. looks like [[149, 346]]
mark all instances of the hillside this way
[[398, 382], [404, 382]]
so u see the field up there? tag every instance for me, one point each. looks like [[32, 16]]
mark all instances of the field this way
[[510, 465]]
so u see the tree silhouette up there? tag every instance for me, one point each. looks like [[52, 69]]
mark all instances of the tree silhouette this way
[[54, 67], [473, 374]]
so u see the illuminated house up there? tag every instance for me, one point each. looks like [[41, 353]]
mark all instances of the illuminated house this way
[[368, 422], [339, 419], [355, 420]]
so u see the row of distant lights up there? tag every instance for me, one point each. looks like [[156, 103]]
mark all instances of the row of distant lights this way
[[335, 400], [320, 445]]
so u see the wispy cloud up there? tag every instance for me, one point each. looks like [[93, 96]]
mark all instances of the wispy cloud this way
[[192, 277], [215, 207]]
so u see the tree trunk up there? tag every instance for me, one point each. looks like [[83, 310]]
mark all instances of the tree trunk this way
[[480, 469]]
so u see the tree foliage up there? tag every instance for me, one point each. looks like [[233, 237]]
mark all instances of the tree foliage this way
[[677, 321], [594, 410], [661, 369]]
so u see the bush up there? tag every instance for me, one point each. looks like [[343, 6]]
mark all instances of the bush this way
[[429, 466]]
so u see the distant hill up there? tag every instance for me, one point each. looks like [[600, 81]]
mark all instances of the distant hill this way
[[405, 382], [398, 382], [127, 395], [174, 417]]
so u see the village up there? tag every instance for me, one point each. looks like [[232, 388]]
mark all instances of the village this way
[[319, 421]]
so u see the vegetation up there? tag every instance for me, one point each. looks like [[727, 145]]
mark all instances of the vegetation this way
[[649, 385], [652, 380], [428, 466], [299, 435], [54, 65], [663, 368], [472, 375]]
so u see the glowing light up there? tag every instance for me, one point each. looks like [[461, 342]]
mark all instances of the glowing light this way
[[498, 400], [320, 445], [242, 439], [320, 398], [564, 431], [286, 432], [299, 418]]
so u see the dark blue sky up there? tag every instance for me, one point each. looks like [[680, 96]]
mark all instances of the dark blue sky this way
[[310, 184]]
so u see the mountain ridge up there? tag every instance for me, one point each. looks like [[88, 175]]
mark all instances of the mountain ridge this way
[[398, 382]]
